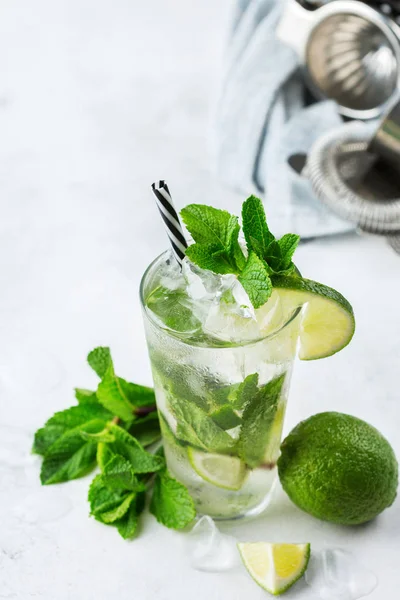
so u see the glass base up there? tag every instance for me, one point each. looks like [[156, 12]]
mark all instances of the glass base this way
[[253, 511], [220, 503]]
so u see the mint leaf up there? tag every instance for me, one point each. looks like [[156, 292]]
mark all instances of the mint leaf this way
[[102, 499], [226, 418], [210, 257], [255, 228], [169, 306], [208, 225], [257, 247], [236, 395], [115, 514], [112, 396], [104, 436], [237, 254], [64, 420], [257, 421], [288, 244], [46, 436], [77, 415], [127, 446], [108, 506], [128, 525], [246, 391], [171, 503], [169, 436], [217, 231], [255, 280], [221, 395], [146, 430], [70, 456], [99, 359], [176, 379], [104, 454], [198, 429], [273, 256], [85, 396], [277, 254], [138, 395], [118, 474]]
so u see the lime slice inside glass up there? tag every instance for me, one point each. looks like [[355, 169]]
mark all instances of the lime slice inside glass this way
[[227, 472]]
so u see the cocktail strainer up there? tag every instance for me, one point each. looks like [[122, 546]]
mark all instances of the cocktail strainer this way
[[394, 241], [354, 183], [350, 51]]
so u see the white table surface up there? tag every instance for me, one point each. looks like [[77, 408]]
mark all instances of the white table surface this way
[[97, 99]]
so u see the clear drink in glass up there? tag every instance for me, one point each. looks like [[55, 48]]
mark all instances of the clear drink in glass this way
[[221, 375]]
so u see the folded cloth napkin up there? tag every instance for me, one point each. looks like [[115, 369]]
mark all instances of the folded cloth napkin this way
[[262, 119]]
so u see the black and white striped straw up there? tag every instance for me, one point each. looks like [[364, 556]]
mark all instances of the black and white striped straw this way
[[171, 220]]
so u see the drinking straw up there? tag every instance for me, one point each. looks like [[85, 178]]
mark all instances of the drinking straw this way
[[171, 220]]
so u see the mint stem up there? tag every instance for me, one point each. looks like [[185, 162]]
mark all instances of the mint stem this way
[[142, 411]]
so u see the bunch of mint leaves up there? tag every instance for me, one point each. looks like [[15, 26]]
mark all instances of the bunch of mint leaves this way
[[114, 427], [216, 248]]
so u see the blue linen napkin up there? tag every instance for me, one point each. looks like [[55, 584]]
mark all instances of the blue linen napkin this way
[[262, 119]]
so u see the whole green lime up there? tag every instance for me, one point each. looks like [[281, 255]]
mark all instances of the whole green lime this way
[[338, 468]]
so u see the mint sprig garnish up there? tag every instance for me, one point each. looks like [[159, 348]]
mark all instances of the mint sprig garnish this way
[[216, 233], [217, 247], [209, 225], [112, 428], [276, 254]]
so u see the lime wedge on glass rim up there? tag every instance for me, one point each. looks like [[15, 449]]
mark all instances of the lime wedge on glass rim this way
[[275, 567], [227, 472], [327, 324]]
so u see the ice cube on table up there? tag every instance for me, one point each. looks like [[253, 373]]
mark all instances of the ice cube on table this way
[[210, 550], [335, 574]]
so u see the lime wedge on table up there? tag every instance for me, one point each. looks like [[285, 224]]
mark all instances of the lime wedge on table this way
[[227, 472], [328, 321], [275, 567]]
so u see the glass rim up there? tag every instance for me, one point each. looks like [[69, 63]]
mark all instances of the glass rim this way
[[180, 338]]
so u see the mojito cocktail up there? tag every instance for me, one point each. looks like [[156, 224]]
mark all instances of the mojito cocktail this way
[[223, 329], [221, 375]]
